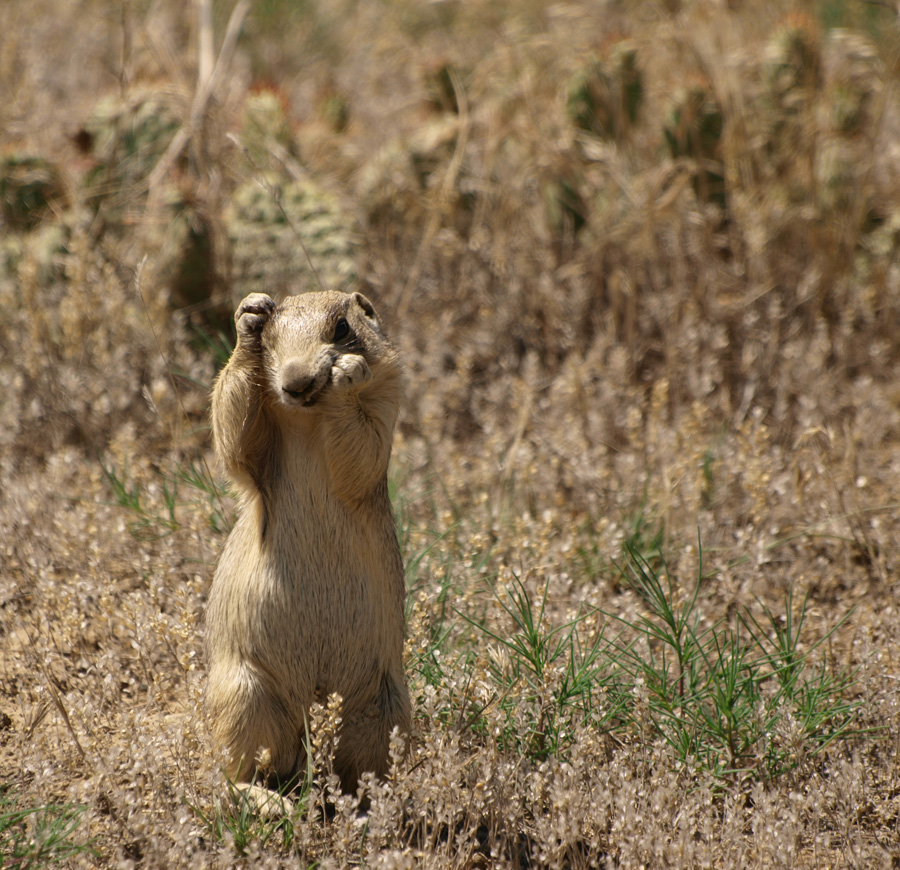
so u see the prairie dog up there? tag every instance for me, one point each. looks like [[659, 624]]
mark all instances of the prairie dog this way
[[308, 594]]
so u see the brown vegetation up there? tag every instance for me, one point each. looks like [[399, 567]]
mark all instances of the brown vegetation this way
[[641, 263]]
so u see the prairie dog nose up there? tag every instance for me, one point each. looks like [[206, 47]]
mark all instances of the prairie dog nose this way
[[296, 379]]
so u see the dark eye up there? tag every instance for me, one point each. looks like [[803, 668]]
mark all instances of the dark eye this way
[[341, 329]]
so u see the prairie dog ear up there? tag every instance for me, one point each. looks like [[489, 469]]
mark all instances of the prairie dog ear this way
[[368, 309]]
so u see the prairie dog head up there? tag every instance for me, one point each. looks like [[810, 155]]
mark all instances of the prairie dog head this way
[[309, 339]]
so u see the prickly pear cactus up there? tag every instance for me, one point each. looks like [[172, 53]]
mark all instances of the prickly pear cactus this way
[[853, 84], [693, 129], [792, 79], [395, 182], [604, 97], [793, 64], [855, 79], [129, 136], [30, 189], [565, 207], [837, 176], [186, 258], [269, 222], [264, 120]]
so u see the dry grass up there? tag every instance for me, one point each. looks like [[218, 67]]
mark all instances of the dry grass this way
[[637, 310]]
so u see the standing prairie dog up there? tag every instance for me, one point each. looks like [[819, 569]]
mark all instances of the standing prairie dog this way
[[308, 593]]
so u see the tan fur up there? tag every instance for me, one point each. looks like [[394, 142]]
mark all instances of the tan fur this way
[[308, 594]]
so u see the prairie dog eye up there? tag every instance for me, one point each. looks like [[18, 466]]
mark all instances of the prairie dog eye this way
[[341, 329]]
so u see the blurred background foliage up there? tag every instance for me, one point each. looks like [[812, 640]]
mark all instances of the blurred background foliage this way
[[718, 201]]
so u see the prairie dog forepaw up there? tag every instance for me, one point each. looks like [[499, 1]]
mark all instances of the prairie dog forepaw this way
[[252, 314], [350, 370]]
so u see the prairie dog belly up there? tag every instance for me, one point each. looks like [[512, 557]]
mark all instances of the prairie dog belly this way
[[303, 605]]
